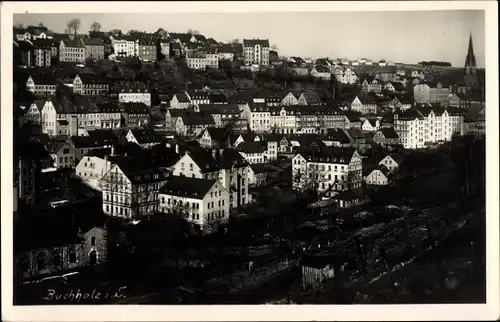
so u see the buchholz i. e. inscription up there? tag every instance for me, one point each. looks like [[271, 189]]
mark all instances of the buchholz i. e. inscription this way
[[77, 295]]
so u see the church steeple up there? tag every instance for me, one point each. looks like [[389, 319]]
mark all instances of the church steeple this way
[[470, 60]]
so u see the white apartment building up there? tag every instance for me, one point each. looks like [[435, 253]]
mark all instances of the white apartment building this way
[[93, 166], [290, 99], [256, 51], [41, 85], [258, 116], [224, 165], [330, 170], [130, 188], [125, 46], [202, 202], [431, 93], [344, 75], [417, 127]]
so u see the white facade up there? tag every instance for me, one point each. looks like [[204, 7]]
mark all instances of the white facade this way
[[92, 169], [389, 163], [135, 98], [202, 211], [377, 178], [252, 158], [124, 47], [368, 126], [40, 89], [259, 119], [256, 52], [289, 99]]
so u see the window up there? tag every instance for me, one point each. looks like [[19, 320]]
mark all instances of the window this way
[[72, 257], [57, 260], [92, 239], [41, 263]]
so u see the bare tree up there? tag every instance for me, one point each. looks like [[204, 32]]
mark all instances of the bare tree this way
[[73, 25], [196, 32], [190, 32], [274, 47], [235, 41], [95, 26]]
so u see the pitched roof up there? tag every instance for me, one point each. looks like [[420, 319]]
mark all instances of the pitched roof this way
[[108, 107], [146, 135], [182, 97], [197, 119], [389, 133], [76, 42], [181, 186], [336, 135], [319, 261], [251, 147], [198, 95], [219, 135], [217, 98], [44, 79], [219, 108], [333, 155], [93, 41], [253, 42], [138, 170], [135, 108], [91, 78], [322, 69], [204, 160], [311, 97]]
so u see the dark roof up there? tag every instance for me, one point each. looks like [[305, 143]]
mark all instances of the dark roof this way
[[43, 43], [197, 95], [44, 79], [93, 41], [204, 160], [258, 167], [91, 78], [187, 187], [135, 108], [197, 119], [108, 107], [96, 138], [311, 97], [389, 133], [398, 157], [252, 147], [217, 98], [146, 135], [253, 42], [336, 135], [219, 135], [182, 97], [329, 155], [322, 69], [138, 170], [219, 108], [76, 42]]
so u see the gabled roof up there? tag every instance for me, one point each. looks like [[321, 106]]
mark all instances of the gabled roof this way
[[181, 186], [333, 155], [250, 147], [220, 135], [182, 97], [204, 160], [219, 108], [108, 107], [76, 42], [91, 78], [44, 79], [336, 135], [146, 136], [389, 133], [322, 69], [217, 98], [93, 41], [198, 95], [135, 108], [311, 97], [138, 170], [253, 42], [197, 119]]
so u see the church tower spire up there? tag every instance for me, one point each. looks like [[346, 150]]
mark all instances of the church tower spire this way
[[470, 60]]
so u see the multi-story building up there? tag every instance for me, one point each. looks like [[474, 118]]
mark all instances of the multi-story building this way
[[196, 60], [125, 46], [130, 188], [364, 104], [135, 92], [427, 124], [309, 98], [371, 85], [283, 120], [62, 154], [110, 115], [429, 93], [33, 112], [90, 84], [258, 116], [322, 72], [42, 49], [93, 166], [212, 58], [253, 152], [344, 75], [135, 114], [94, 48], [290, 99], [42, 85], [147, 48], [204, 203], [192, 124], [329, 171], [72, 50], [224, 114], [224, 165], [256, 51]]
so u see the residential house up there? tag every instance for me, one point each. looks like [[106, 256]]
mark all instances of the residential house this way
[[258, 116], [196, 60], [431, 93], [454, 100], [309, 98], [392, 161], [197, 97], [94, 48], [428, 124], [80, 243], [352, 121], [257, 174], [72, 50], [130, 188], [283, 120], [253, 152], [212, 58], [33, 112], [203, 202], [192, 124], [213, 137], [226, 166], [371, 124], [380, 176], [225, 115], [370, 85], [42, 84], [345, 75], [62, 153], [97, 139], [147, 48], [329, 170], [110, 115], [90, 84], [271, 142], [364, 104], [217, 98], [135, 114], [245, 137], [145, 138], [322, 72], [400, 103], [134, 92], [386, 136], [180, 101], [226, 52], [256, 51], [93, 166], [125, 45], [290, 99], [336, 137], [42, 50]]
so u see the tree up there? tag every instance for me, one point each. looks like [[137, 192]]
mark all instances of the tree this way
[[190, 31], [196, 32], [95, 26], [115, 32], [235, 41], [73, 25], [274, 47]]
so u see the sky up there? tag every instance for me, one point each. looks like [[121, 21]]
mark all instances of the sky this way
[[399, 36]]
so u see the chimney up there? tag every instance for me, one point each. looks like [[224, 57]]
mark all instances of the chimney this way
[[177, 148], [112, 150], [214, 153]]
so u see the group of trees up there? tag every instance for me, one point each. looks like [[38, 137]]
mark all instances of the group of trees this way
[[435, 63], [73, 26]]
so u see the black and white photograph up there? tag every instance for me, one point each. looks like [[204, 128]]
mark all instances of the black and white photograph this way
[[285, 157]]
